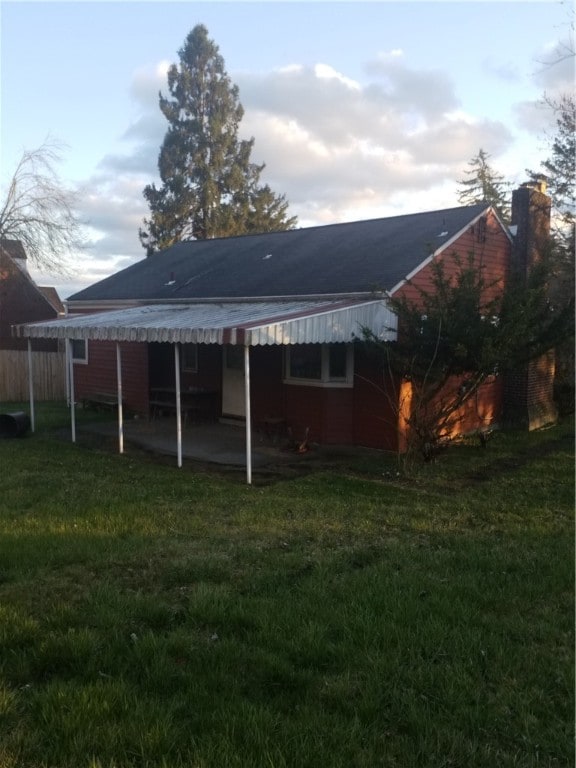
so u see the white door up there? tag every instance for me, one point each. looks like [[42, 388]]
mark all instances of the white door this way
[[233, 383]]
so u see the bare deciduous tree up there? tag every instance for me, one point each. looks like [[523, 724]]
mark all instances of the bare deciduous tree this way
[[38, 210]]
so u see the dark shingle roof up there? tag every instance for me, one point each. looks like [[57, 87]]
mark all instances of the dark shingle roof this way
[[357, 257], [51, 295], [13, 248]]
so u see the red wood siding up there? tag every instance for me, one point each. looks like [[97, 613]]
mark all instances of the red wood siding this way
[[374, 408], [338, 416], [267, 390], [325, 411], [491, 251], [485, 408], [490, 248], [304, 410], [482, 410], [99, 375]]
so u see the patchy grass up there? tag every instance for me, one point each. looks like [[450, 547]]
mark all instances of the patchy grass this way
[[151, 616]]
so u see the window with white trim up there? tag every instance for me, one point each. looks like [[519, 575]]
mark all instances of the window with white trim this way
[[79, 351], [234, 357], [319, 365], [189, 358]]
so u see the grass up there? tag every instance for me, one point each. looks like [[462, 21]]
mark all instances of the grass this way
[[348, 617]]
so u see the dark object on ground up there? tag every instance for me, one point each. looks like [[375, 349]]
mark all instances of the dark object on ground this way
[[565, 398], [14, 424]]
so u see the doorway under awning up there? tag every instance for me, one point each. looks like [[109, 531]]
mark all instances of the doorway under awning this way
[[240, 323]]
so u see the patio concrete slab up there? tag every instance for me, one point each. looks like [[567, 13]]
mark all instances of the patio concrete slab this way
[[211, 442]]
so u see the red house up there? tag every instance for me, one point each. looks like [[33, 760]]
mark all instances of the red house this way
[[23, 301], [268, 326]]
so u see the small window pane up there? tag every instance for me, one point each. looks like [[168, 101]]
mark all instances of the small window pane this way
[[306, 361], [234, 357], [79, 350], [190, 357], [337, 357]]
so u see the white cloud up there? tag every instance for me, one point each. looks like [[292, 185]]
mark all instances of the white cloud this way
[[535, 117], [326, 72], [148, 81], [505, 70], [386, 56], [339, 149], [554, 68], [113, 209]]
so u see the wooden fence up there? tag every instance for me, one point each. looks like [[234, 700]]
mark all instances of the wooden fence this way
[[49, 377]]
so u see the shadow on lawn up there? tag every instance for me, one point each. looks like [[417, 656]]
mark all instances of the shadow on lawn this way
[[462, 462], [525, 456]]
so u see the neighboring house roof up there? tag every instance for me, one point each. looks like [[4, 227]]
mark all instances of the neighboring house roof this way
[[20, 298], [15, 252], [51, 295], [249, 323], [338, 259], [13, 248]]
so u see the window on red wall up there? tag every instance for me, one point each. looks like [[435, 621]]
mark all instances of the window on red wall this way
[[79, 350], [320, 365], [189, 358], [305, 362]]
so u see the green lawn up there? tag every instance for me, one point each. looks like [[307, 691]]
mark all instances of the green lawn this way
[[344, 618]]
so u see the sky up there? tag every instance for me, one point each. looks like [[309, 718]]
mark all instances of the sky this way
[[359, 110]]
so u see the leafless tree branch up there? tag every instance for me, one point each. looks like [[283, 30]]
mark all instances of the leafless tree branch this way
[[38, 210]]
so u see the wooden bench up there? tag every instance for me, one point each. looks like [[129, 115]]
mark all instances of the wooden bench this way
[[193, 402], [161, 405], [100, 401], [157, 407]]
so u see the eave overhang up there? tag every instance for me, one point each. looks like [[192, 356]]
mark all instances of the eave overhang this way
[[247, 323]]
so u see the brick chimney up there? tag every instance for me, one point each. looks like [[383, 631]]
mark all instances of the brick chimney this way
[[528, 393], [531, 218]]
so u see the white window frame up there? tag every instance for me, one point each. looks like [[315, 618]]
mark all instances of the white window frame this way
[[346, 382], [234, 357], [187, 350], [80, 360]]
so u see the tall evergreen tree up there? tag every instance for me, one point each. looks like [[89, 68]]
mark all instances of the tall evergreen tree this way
[[210, 187], [560, 168], [560, 173], [484, 185]]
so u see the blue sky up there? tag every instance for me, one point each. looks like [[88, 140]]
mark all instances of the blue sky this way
[[359, 109]]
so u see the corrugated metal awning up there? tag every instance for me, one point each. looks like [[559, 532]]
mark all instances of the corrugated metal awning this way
[[246, 323]]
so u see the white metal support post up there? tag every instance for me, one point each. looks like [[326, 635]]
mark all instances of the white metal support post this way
[[67, 371], [120, 413], [248, 415], [72, 395], [31, 386], [178, 402]]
